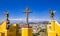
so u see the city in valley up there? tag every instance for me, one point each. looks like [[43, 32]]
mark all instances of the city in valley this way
[[29, 17]]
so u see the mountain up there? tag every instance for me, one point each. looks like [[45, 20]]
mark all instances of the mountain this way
[[40, 22]]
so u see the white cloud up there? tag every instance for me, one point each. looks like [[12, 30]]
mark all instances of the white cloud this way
[[29, 19], [16, 19]]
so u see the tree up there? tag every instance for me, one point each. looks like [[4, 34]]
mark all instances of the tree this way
[[35, 34], [42, 30]]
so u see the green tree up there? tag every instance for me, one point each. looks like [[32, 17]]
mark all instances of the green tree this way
[[35, 34], [42, 30]]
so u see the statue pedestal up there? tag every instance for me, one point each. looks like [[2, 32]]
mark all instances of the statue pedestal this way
[[26, 30]]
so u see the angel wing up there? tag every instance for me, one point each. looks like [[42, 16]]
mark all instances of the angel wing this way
[[6, 12], [54, 11]]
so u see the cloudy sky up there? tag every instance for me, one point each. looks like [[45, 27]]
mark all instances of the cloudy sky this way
[[39, 9]]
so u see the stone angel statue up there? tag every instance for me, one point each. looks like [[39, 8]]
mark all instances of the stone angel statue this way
[[52, 14]]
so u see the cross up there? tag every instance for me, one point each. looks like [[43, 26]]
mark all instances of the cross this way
[[52, 14], [27, 11]]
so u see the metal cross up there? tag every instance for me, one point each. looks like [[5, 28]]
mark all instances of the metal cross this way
[[27, 11]]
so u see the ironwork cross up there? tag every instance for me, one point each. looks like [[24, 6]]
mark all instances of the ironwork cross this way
[[27, 11]]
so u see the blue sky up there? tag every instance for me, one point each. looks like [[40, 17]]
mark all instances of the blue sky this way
[[39, 9]]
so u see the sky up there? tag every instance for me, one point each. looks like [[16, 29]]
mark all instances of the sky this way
[[39, 9]]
